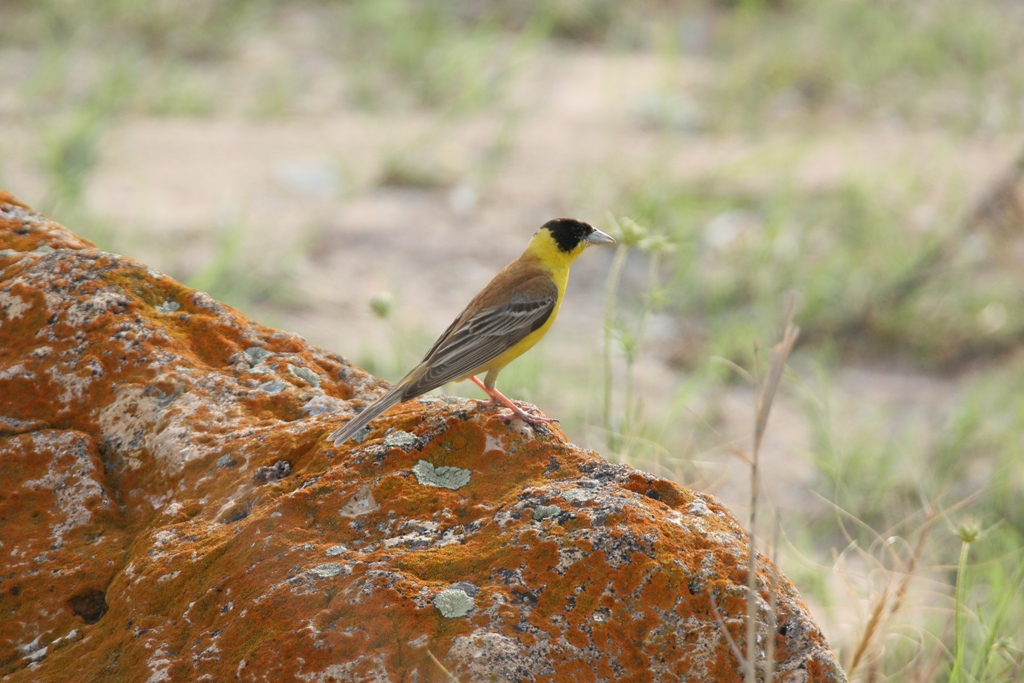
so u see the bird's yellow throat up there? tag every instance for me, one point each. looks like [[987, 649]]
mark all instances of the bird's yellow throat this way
[[544, 248]]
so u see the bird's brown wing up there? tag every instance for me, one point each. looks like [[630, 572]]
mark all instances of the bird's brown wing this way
[[476, 339]]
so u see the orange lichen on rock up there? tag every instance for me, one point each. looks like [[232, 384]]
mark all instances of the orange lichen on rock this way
[[170, 510]]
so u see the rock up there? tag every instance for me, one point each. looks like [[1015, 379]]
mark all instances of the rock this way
[[166, 517]]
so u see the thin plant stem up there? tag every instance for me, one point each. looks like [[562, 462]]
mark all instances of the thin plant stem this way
[[631, 413], [609, 330], [958, 635], [773, 605], [766, 396], [981, 667], [448, 674], [883, 608], [725, 631], [627, 413], [751, 676]]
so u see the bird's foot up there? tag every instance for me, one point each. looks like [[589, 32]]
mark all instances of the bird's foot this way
[[530, 418], [500, 400], [517, 414]]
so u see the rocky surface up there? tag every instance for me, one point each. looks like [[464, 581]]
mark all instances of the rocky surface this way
[[170, 510]]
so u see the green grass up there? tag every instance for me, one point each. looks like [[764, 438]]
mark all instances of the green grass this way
[[194, 29], [173, 89], [862, 276], [400, 52], [870, 286], [244, 272], [937, 62]]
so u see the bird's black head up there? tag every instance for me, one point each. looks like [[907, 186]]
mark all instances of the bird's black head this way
[[568, 233]]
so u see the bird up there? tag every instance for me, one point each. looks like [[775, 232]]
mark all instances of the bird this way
[[504, 321]]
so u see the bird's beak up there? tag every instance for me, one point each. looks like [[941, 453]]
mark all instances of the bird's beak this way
[[598, 237]]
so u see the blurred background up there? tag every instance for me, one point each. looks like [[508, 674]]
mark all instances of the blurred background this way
[[355, 170]]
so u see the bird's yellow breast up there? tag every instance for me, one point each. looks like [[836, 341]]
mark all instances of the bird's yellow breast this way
[[542, 250], [530, 340]]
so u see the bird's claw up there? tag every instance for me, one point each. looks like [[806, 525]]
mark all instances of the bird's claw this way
[[532, 419], [518, 413]]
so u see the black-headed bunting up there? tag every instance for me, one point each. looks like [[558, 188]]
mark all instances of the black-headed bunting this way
[[504, 321]]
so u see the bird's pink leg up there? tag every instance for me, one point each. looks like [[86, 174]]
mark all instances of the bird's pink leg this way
[[497, 398]]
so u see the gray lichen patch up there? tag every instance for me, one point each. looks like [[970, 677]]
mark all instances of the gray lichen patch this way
[[442, 477], [168, 307], [699, 508], [399, 439], [578, 495], [279, 470], [362, 434], [453, 603], [326, 571], [12, 305], [226, 461], [75, 482], [545, 511], [275, 386], [37, 655], [336, 550], [9, 426], [306, 375], [321, 404], [361, 503], [470, 589], [255, 355]]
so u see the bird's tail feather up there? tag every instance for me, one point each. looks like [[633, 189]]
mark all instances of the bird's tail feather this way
[[343, 434]]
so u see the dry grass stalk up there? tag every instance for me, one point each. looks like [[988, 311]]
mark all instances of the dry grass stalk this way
[[883, 608], [773, 605], [778, 357], [777, 360], [733, 645], [449, 674]]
